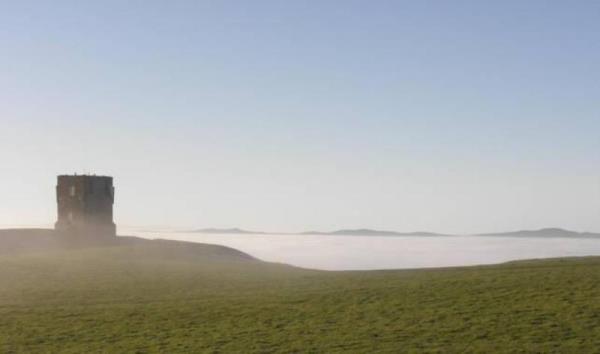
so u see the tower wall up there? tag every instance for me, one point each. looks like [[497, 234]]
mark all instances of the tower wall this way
[[85, 205]]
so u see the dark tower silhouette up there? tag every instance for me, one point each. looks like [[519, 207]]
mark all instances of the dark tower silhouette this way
[[85, 205]]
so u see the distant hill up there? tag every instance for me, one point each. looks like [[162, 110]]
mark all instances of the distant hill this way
[[549, 232], [225, 231], [369, 232]]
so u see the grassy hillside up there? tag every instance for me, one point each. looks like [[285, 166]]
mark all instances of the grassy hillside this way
[[167, 297]]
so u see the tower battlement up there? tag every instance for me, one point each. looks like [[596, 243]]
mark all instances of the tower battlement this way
[[85, 205]]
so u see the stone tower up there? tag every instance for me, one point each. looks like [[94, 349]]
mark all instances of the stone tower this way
[[85, 205]]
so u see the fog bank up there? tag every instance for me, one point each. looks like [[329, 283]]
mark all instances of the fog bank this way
[[375, 252]]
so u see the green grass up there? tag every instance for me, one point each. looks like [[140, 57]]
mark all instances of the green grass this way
[[152, 298]]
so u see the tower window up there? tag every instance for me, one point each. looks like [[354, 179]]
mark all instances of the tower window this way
[[72, 191]]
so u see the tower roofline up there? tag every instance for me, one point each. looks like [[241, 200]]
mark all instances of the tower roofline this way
[[84, 175]]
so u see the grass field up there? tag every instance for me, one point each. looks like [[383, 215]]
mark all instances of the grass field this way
[[167, 298]]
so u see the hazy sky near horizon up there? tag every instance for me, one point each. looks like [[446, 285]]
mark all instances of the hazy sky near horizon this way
[[448, 116]]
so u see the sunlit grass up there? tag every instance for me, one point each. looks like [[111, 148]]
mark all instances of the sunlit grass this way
[[144, 299]]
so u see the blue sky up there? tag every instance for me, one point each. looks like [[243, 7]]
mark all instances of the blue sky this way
[[462, 116]]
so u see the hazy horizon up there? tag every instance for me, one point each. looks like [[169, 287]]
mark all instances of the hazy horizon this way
[[459, 117], [129, 230]]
